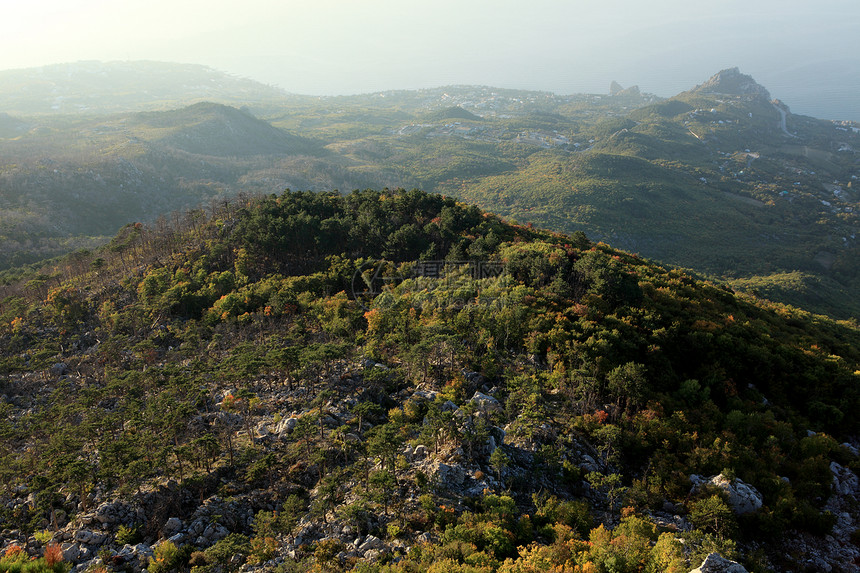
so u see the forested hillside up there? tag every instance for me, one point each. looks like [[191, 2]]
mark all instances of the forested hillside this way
[[395, 381], [721, 179]]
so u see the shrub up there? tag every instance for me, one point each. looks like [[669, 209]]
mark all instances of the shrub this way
[[262, 549], [393, 530], [127, 535], [224, 550], [165, 558], [53, 554], [43, 537]]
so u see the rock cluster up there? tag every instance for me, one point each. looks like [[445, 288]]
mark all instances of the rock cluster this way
[[742, 497], [716, 563]]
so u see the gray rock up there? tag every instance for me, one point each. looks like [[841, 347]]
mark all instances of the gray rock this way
[[450, 475], [819, 564], [172, 526], [177, 539], [227, 418], [107, 513], [498, 434], [97, 538], [845, 481], [71, 552], [85, 555], [485, 403], [474, 377], [449, 406], [214, 532], [59, 369], [425, 537], [196, 528], [371, 542], [743, 498], [143, 549], [425, 395], [83, 536], [715, 563], [854, 451], [286, 426], [420, 452]]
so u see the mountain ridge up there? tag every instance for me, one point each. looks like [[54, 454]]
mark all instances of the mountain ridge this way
[[735, 186], [317, 380], [102, 87]]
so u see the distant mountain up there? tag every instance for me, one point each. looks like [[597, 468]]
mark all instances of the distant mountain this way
[[732, 82], [721, 179], [218, 130], [90, 176], [100, 87]]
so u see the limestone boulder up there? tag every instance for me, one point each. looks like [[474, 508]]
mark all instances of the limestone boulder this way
[[716, 563], [742, 497]]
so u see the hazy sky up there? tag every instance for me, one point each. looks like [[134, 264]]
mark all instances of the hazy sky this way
[[796, 48]]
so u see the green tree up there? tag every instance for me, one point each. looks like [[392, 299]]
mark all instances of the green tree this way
[[499, 460], [712, 515]]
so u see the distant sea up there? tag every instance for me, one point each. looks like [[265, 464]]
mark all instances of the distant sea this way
[[826, 90]]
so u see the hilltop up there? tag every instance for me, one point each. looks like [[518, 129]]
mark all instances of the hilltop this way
[[455, 112], [67, 184], [218, 130], [395, 381], [720, 179], [732, 82]]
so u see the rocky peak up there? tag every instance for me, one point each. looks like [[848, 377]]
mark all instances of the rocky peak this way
[[616, 89], [733, 82]]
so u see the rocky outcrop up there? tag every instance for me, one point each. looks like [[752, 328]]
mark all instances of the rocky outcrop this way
[[716, 563], [733, 82], [450, 476], [845, 482], [836, 551], [285, 426], [484, 403], [742, 497]]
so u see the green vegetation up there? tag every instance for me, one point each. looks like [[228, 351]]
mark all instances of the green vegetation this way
[[290, 352], [709, 180]]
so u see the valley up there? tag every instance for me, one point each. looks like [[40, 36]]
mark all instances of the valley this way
[[461, 329], [753, 190]]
